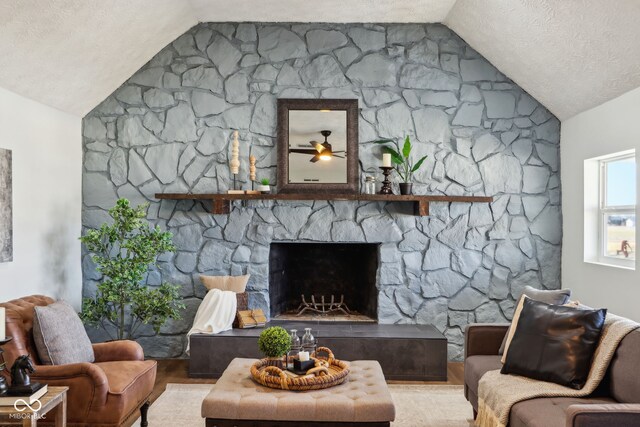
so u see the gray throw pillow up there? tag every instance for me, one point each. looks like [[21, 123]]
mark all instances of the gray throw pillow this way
[[59, 335], [554, 297]]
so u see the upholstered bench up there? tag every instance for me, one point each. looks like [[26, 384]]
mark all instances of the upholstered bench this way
[[362, 400]]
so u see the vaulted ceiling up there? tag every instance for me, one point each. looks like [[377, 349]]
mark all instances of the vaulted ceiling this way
[[570, 55]]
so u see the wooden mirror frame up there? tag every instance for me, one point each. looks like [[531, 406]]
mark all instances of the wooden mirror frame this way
[[353, 182]]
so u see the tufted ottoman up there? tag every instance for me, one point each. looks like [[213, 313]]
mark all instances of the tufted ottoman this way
[[362, 400]]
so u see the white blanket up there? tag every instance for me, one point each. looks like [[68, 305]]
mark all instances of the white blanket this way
[[215, 314]]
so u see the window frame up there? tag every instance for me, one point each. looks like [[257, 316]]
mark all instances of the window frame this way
[[605, 210]]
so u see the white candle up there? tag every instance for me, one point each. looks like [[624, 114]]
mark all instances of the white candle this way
[[386, 160], [304, 356], [2, 324]]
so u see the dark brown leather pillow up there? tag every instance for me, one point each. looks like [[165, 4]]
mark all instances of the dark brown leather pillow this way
[[554, 343]]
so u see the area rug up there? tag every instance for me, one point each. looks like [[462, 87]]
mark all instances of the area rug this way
[[416, 406]]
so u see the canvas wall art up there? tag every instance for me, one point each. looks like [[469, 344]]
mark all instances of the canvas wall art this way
[[6, 207]]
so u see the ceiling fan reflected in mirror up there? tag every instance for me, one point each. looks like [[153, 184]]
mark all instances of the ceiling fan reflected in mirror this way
[[320, 151]]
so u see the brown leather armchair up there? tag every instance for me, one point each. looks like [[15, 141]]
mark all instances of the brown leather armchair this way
[[106, 393]]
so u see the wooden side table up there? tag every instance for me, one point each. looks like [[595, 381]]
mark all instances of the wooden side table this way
[[54, 402]]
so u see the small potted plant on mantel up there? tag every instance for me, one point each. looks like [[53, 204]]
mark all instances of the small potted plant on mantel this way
[[264, 187], [275, 343], [402, 159]]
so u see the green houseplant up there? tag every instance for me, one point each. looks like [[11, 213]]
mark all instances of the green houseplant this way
[[264, 187], [123, 252], [274, 343], [401, 158]]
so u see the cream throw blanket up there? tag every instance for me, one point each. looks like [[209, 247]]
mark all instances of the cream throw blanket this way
[[497, 393], [215, 314]]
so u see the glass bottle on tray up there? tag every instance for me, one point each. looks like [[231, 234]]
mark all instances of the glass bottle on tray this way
[[309, 342], [295, 348]]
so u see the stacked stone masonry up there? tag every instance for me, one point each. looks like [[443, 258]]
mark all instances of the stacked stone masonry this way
[[168, 128]]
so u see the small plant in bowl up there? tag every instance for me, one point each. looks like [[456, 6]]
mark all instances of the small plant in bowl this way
[[264, 186], [274, 343], [402, 159]]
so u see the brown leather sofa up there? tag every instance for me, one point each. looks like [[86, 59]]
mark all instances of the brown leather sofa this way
[[112, 391], [615, 403]]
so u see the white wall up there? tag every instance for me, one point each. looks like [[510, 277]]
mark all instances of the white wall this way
[[47, 159], [609, 128]]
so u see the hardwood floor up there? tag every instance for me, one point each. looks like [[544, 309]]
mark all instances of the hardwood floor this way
[[175, 371]]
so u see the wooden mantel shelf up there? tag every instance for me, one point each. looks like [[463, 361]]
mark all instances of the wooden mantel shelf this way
[[222, 202]]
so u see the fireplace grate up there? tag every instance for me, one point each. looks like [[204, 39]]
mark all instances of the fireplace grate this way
[[323, 307]]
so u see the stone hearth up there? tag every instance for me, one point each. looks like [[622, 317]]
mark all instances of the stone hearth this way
[[405, 352], [167, 129]]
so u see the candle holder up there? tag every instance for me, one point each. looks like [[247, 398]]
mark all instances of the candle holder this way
[[3, 365], [386, 184]]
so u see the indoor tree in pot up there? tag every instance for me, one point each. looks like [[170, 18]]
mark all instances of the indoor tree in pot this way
[[402, 159], [123, 252]]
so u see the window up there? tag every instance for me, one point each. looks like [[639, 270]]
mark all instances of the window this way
[[617, 210]]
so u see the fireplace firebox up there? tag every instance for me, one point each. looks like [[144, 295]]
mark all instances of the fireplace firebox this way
[[323, 281]]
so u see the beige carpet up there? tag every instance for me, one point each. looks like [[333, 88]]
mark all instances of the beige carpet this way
[[416, 406]]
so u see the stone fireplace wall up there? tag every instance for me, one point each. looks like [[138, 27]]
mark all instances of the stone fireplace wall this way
[[167, 129]]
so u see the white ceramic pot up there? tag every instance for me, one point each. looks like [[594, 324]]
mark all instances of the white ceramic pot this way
[[265, 189]]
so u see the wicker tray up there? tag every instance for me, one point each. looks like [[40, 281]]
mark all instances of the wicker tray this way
[[328, 372]]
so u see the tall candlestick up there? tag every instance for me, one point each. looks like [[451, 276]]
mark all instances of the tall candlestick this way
[[386, 160], [386, 184], [252, 168], [234, 164]]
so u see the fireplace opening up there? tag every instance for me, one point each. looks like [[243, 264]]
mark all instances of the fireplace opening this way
[[323, 281]]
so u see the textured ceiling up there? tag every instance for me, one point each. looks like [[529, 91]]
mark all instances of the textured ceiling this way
[[570, 55], [71, 54], [322, 11]]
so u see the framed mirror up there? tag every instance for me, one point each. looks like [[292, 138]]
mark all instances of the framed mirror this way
[[318, 145]]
